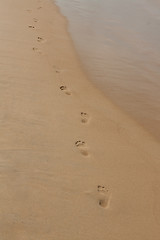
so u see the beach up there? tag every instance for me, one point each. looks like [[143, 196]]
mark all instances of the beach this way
[[118, 43], [72, 164]]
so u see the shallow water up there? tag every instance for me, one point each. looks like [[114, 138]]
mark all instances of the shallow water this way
[[119, 44]]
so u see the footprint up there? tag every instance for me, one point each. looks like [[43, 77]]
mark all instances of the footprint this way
[[66, 90], [30, 26], [84, 117], [82, 147], [104, 197], [39, 8], [40, 39], [35, 19], [36, 50], [56, 69], [29, 10], [101, 188], [79, 143]]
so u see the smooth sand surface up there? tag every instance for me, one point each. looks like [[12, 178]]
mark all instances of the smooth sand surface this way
[[72, 166]]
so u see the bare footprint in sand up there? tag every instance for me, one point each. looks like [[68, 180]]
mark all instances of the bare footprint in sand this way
[[65, 90], [56, 69], [40, 39], [30, 26], [35, 20], [36, 50], [104, 196], [101, 189], [29, 10], [84, 117], [82, 147]]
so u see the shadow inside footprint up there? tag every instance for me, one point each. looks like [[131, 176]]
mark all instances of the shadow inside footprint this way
[[79, 143], [84, 152], [101, 188], [103, 203], [36, 50], [66, 90], [56, 69], [35, 19], [40, 39], [30, 26]]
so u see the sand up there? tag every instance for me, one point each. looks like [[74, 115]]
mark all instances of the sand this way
[[72, 165], [123, 55]]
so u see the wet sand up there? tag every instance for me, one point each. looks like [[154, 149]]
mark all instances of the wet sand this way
[[119, 45], [72, 165]]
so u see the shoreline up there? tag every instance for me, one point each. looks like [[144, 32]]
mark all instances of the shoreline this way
[[72, 165], [99, 88], [115, 82]]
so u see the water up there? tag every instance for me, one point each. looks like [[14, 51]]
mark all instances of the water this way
[[119, 44]]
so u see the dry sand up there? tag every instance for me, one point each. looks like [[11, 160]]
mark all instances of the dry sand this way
[[72, 165]]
